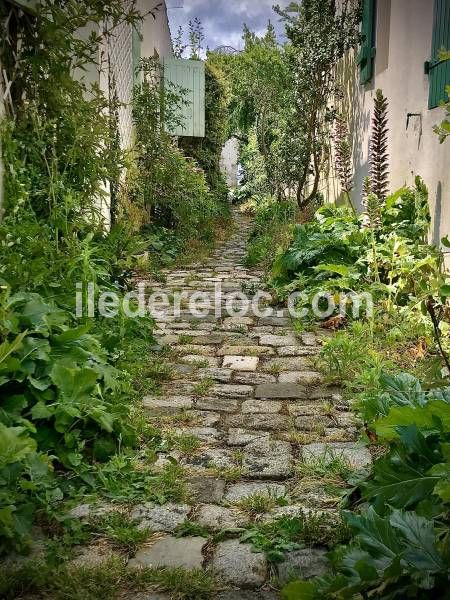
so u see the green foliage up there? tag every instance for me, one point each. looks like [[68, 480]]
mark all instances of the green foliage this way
[[123, 533], [319, 35], [337, 253], [109, 580], [400, 545], [277, 538], [207, 151], [170, 186], [272, 226], [443, 129], [68, 387]]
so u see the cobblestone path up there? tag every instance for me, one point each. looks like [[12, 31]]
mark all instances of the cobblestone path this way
[[248, 391]]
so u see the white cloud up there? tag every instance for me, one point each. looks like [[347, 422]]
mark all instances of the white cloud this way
[[223, 20]]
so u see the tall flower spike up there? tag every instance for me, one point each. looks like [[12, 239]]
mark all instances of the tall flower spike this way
[[379, 157], [343, 153]]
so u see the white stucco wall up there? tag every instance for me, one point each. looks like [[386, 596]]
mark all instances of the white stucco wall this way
[[404, 42], [229, 162], [155, 31]]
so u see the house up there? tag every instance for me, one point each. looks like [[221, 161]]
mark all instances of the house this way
[[401, 42], [115, 67]]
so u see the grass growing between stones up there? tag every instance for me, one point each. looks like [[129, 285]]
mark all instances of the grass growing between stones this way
[[190, 528], [186, 444], [259, 504], [203, 387], [121, 531], [110, 580], [230, 474], [286, 534], [138, 483]]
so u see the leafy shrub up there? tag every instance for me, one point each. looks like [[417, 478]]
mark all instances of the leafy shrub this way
[[400, 545], [338, 253], [207, 151], [171, 187], [272, 227]]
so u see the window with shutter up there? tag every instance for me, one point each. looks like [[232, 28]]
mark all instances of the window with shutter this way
[[439, 69], [190, 76], [367, 52]]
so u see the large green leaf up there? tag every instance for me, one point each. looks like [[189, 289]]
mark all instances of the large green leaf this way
[[15, 445], [8, 348], [376, 535], [432, 417], [442, 488], [403, 389], [420, 551], [76, 385], [398, 481]]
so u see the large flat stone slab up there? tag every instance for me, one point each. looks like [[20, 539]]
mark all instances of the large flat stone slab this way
[[240, 363], [221, 375], [226, 405], [266, 459], [278, 340], [303, 564], [242, 437], [254, 378], [261, 406], [260, 422], [287, 363], [207, 489], [281, 391], [246, 351], [355, 455], [171, 553], [164, 406], [231, 391], [211, 458], [160, 518], [237, 565], [238, 491], [296, 351], [301, 377]]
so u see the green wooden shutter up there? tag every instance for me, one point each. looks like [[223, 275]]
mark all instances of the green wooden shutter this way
[[189, 75], [367, 52], [439, 70]]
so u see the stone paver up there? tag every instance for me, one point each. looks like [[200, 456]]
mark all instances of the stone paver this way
[[207, 489], [239, 491], [241, 363], [281, 390], [265, 459], [303, 564], [220, 517], [160, 518], [171, 553], [355, 455], [262, 407], [236, 564]]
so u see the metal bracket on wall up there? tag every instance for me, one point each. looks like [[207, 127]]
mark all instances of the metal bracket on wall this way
[[409, 116]]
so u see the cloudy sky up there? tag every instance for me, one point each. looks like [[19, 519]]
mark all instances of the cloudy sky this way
[[223, 19]]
